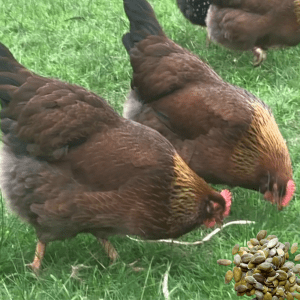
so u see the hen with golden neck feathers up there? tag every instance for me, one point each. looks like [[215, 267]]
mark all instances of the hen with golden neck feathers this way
[[224, 133], [70, 164]]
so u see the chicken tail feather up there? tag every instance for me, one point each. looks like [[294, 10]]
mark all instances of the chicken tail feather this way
[[10, 77], [143, 22], [4, 52]]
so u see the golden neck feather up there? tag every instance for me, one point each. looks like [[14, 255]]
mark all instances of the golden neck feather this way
[[187, 188], [262, 144]]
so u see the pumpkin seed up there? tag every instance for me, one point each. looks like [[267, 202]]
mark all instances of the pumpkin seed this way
[[294, 248], [261, 235], [296, 268], [250, 279], [281, 275], [272, 273], [266, 252], [297, 296], [237, 274], [280, 251], [244, 266], [241, 289], [267, 296], [266, 267], [246, 257], [263, 241], [289, 264], [297, 257], [289, 296], [244, 249], [280, 246], [254, 242], [272, 252], [250, 245], [224, 262], [237, 260], [292, 279], [293, 288], [271, 236], [275, 261], [258, 286], [280, 292], [235, 249], [259, 295], [258, 259], [228, 276], [259, 277], [286, 246], [272, 243], [270, 279]]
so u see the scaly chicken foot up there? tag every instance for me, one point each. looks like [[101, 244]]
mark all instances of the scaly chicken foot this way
[[38, 257], [259, 56], [109, 249]]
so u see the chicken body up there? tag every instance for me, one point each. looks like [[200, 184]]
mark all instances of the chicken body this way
[[194, 10], [224, 133], [254, 24], [70, 165]]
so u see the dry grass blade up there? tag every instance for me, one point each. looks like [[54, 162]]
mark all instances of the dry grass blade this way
[[165, 284], [207, 238]]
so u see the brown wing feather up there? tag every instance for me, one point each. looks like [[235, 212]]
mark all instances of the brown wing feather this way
[[50, 114]]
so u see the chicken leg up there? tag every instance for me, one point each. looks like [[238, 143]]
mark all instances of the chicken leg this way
[[39, 255], [109, 249]]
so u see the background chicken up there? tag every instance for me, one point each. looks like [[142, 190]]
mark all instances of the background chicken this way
[[224, 133], [254, 25], [71, 165], [194, 10]]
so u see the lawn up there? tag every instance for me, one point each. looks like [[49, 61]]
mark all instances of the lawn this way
[[79, 41]]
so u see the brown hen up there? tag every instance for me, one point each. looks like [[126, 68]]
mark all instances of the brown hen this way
[[70, 165], [224, 133], [254, 24]]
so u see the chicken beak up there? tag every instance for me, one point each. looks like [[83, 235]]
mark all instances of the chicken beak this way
[[268, 196], [274, 197]]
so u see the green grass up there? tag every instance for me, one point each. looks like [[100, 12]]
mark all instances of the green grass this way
[[79, 41]]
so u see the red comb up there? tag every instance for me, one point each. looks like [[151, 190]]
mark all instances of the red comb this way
[[227, 197], [290, 189]]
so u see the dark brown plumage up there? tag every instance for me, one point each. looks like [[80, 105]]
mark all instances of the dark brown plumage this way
[[224, 133], [194, 10], [254, 24], [70, 165]]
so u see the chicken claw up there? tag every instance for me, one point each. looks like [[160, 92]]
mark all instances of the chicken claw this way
[[259, 56]]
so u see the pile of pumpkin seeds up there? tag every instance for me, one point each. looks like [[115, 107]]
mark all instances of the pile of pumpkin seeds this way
[[262, 269]]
